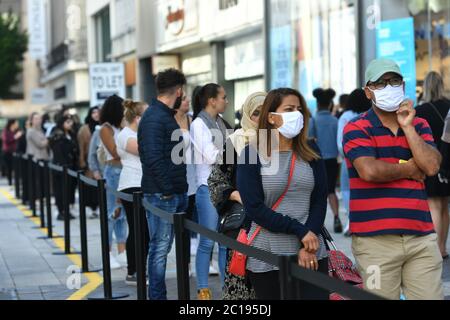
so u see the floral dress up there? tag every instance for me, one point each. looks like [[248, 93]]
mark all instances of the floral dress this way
[[221, 184]]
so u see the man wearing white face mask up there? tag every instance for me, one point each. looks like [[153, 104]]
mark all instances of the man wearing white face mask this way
[[389, 153]]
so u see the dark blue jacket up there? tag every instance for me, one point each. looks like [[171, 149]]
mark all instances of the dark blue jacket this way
[[250, 186], [160, 173]]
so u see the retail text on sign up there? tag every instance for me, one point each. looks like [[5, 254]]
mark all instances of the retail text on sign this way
[[106, 79]]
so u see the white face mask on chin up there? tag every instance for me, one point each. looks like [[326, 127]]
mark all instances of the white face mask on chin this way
[[293, 124], [389, 99]]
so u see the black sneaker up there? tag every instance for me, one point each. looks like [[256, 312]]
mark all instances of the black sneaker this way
[[61, 217], [131, 280], [337, 225], [94, 216]]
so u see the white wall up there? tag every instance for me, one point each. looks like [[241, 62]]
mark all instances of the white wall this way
[[205, 22], [216, 23], [146, 28], [94, 6]]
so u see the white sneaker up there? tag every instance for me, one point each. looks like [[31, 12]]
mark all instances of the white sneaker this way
[[122, 259], [213, 270], [191, 271], [194, 246], [113, 262]]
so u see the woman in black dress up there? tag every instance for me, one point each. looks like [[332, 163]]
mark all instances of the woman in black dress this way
[[435, 110], [63, 143]]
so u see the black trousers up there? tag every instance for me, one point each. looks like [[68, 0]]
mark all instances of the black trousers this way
[[8, 162], [58, 190], [131, 248], [25, 180], [267, 285]]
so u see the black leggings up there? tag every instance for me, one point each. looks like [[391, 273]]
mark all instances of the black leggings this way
[[267, 285], [131, 248]]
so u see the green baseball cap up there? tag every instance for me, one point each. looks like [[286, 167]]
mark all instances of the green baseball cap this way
[[379, 67]]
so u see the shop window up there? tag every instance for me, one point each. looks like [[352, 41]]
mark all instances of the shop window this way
[[313, 44], [103, 36], [432, 38]]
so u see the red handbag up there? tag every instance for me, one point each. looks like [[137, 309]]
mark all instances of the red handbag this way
[[238, 261], [341, 267]]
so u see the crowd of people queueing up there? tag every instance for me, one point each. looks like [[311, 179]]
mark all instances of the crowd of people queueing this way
[[391, 178]]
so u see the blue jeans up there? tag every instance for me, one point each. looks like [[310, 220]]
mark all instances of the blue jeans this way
[[345, 187], [119, 225], [161, 239], [208, 218]]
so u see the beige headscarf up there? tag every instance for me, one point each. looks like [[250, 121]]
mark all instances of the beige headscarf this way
[[241, 137]]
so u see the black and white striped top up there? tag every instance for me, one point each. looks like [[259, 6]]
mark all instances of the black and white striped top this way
[[296, 205]]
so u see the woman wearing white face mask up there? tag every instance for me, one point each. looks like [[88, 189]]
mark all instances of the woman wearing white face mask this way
[[286, 198]]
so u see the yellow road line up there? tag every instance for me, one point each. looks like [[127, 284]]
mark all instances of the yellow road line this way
[[94, 279]]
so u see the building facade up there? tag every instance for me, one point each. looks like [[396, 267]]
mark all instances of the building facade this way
[[329, 43], [26, 94], [64, 70], [210, 41], [245, 45], [112, 37]]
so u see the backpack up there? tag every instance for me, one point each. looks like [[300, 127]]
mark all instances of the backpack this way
[[101, 155], [101, 151]]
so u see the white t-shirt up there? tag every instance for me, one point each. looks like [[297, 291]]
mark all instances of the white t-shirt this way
[[205, 152], [190, 167], [131, 175]]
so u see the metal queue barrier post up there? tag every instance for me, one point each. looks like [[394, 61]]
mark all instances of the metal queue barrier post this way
[[83, 225], [24, 171], [38, 193], [17, 175], [40, 179], [287, 282], [139, 232], [107, 286], [31, 186], [181, 241], [46, 172], [66, 212]]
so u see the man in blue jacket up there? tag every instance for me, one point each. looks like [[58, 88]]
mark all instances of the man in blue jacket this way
[[164, 183]]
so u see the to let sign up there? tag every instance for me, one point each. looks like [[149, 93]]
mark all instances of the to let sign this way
[[106, 79]]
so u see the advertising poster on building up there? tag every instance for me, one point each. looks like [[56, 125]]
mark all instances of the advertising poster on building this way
[[281, 57], [106, 79], [396, 41]]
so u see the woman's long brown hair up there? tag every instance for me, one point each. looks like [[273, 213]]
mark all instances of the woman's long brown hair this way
[[300, 144]]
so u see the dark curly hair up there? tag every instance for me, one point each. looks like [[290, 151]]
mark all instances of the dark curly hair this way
[[168, 81], [112, 111], [324, 97], [358, 102]]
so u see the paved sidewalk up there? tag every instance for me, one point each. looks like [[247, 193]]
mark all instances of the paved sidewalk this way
[[30, 271], [28, 268]]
